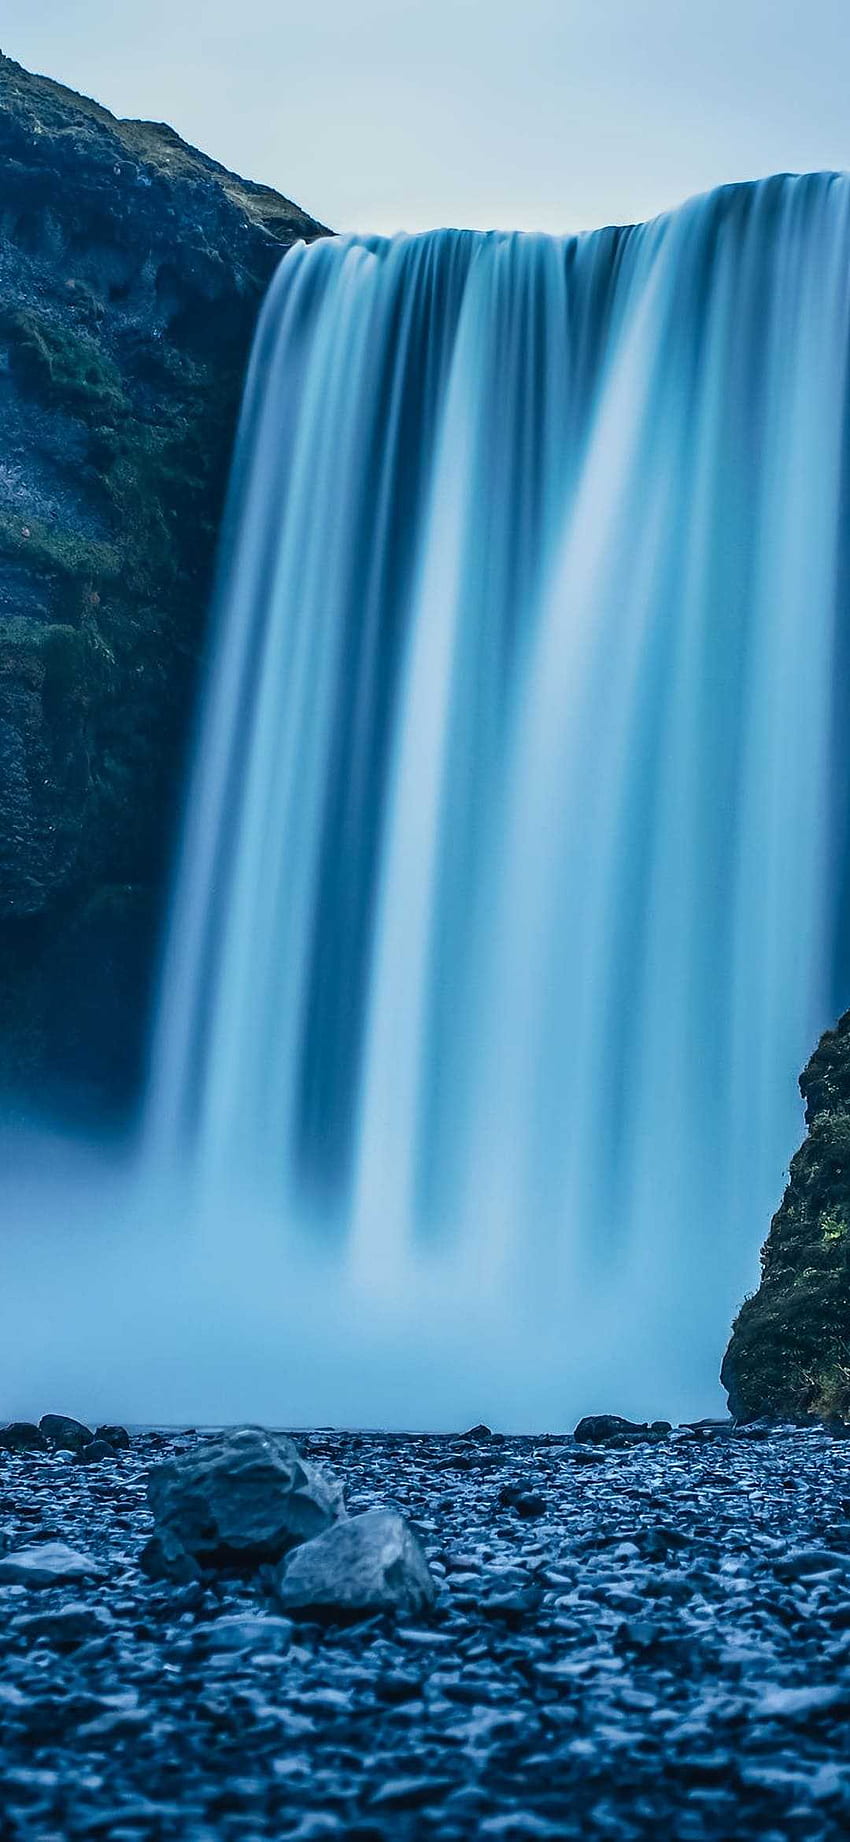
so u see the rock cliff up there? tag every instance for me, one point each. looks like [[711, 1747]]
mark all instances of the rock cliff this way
[[790, 1348], [131, 270]]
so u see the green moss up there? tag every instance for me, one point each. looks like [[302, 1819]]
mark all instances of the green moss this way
[[132, 271], [64, 662], [66, 658], [57, 549], [790, 1347], [63, 367]]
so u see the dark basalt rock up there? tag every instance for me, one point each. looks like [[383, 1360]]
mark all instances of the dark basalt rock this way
[[22, 1436], [235, 1502], [95, 1452], [521, 1498], [116, 1436], [610, 1428], [789, 1355], [131, 272], [64, 1434]]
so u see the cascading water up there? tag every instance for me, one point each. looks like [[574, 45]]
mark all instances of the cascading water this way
[[511, 896]]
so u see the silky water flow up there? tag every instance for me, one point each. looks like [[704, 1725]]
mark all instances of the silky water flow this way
[[512, 893]]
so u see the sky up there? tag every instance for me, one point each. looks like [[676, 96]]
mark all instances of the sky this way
[[403, 114]]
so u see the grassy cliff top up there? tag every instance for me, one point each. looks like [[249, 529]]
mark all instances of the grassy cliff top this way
[[38, 106]]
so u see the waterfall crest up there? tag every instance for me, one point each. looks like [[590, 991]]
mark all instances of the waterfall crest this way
[[511, 896]]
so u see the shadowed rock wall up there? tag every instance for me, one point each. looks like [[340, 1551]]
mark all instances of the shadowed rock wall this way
[[131, 271], [790, 1347]]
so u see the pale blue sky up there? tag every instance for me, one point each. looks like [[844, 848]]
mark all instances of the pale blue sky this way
[[389, 114]]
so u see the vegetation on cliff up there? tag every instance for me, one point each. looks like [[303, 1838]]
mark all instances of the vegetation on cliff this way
[[131, 271], [790, 1347]]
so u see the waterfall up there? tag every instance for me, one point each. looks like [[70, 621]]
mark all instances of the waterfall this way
[[511, 899]]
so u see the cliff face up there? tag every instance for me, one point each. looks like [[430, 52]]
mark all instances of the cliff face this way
[[131, 271], [790, 1347]]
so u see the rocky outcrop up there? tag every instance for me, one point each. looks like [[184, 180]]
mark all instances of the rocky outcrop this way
[[790, 1348], [131, 271]]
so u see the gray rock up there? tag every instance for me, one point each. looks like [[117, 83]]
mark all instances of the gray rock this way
[[246, 1631], [235, 1501], [369, 1563], [116, 1724], [64, 1434], [64, 1629], [51, 1563], [796, 1703], [411, 1793], [802, 1562]]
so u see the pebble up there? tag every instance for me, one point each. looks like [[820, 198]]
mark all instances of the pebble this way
[[53, 1563], [663, 1651]]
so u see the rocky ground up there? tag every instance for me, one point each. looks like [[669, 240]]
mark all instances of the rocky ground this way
[[647, 1640]]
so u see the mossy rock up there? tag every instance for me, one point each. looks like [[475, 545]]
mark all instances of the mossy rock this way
[[132, 269], [789, 1354], [58, 549], [63, 368]]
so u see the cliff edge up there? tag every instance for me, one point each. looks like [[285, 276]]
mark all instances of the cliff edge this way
[[131, 271]]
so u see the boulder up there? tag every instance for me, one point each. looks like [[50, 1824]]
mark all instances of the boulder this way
[[22, 1436], [95, 1452], [235, 1501], [51, 1563], [609, 1428], [116, 1436], [366, 1564], [63, 1434]]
